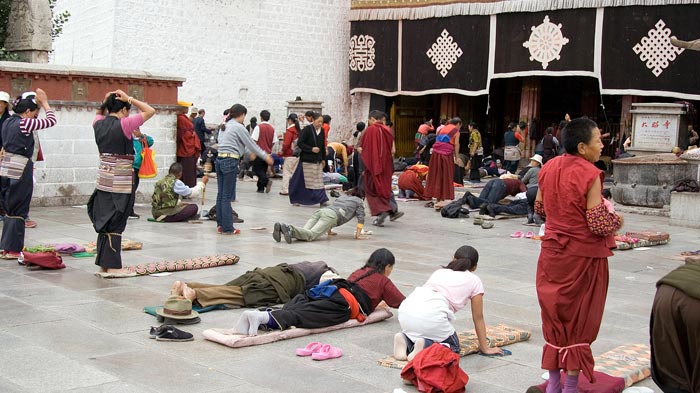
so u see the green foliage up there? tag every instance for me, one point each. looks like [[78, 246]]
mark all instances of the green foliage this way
[[58, 20]]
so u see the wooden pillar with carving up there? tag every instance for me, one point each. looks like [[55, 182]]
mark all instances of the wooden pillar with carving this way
[[449, 107], [530, 106]]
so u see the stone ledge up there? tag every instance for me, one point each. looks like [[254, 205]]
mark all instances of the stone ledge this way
[[90, 72], [684, 209], [645, 211]]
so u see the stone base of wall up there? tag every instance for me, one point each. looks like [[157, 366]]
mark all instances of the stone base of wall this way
[[684, 209], [67, 175]]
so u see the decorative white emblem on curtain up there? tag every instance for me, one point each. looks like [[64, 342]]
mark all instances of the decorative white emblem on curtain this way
[[546, 42], [362, 53], [656, 49], [444, 53]]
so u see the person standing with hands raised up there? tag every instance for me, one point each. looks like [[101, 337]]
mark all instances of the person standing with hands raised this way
[[17, 168], [113, 200]]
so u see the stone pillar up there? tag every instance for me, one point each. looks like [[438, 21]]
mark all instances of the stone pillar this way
[[529, 107], [29, 30], [626, 116]]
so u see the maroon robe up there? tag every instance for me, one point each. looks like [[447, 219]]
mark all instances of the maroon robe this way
[[377, 141], [572, 270]]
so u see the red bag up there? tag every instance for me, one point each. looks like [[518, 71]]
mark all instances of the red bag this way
[[148, 162], [47, 260]]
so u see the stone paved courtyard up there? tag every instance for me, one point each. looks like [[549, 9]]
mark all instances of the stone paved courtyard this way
[[68, 330]]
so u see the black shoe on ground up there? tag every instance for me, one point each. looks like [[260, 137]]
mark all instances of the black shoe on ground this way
[[268, 186], [484, 209], [287, 233], [277, 232], [158, 330], [335, 194], [396, 216], [174, 334], [379, 221], [134, 216], [238, 220]]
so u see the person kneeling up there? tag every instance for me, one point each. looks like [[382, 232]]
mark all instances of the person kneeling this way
[[166, 204], [427, 314], [344, 209]]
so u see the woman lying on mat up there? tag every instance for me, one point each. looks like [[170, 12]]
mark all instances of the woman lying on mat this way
[[338, 302], [427, 313]]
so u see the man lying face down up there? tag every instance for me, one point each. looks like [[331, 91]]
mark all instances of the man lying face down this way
[[257, 288]]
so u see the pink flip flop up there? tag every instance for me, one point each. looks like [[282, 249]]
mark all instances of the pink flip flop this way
[[529, 234], [309, 349], [327, 352], [517, 235]]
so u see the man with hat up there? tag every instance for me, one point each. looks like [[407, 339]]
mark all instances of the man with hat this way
[[530, 177]]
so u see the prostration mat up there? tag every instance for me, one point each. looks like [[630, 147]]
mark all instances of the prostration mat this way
[[640, 243], [127, 245], [500, 216], [184, 264], [614, 370], [497, 336], [232, 339]]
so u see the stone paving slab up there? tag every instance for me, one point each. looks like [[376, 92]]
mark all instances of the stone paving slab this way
[[96, 330]]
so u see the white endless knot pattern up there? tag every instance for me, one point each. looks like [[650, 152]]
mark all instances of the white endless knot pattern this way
[[444, 53], [362, 53], [546, 42], [656, 49]]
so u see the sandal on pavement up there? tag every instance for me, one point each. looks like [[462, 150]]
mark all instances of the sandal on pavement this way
[[487, 225], [172, 333], [517, 234], [529, 234], [310, 349], [10, 255], [327, 352]]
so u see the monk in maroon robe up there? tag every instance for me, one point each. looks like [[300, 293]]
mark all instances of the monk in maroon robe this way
[[377, 143], [572, 270]]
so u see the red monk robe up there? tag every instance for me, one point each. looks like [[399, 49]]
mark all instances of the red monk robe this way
[[412, 179], [379, 167], [572, 271]]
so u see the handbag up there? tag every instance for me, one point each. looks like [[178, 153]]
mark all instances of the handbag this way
[[148, 162], [47, 260], [511, 153]]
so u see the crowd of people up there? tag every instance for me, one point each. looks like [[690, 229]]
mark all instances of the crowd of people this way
[[561, 185]]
